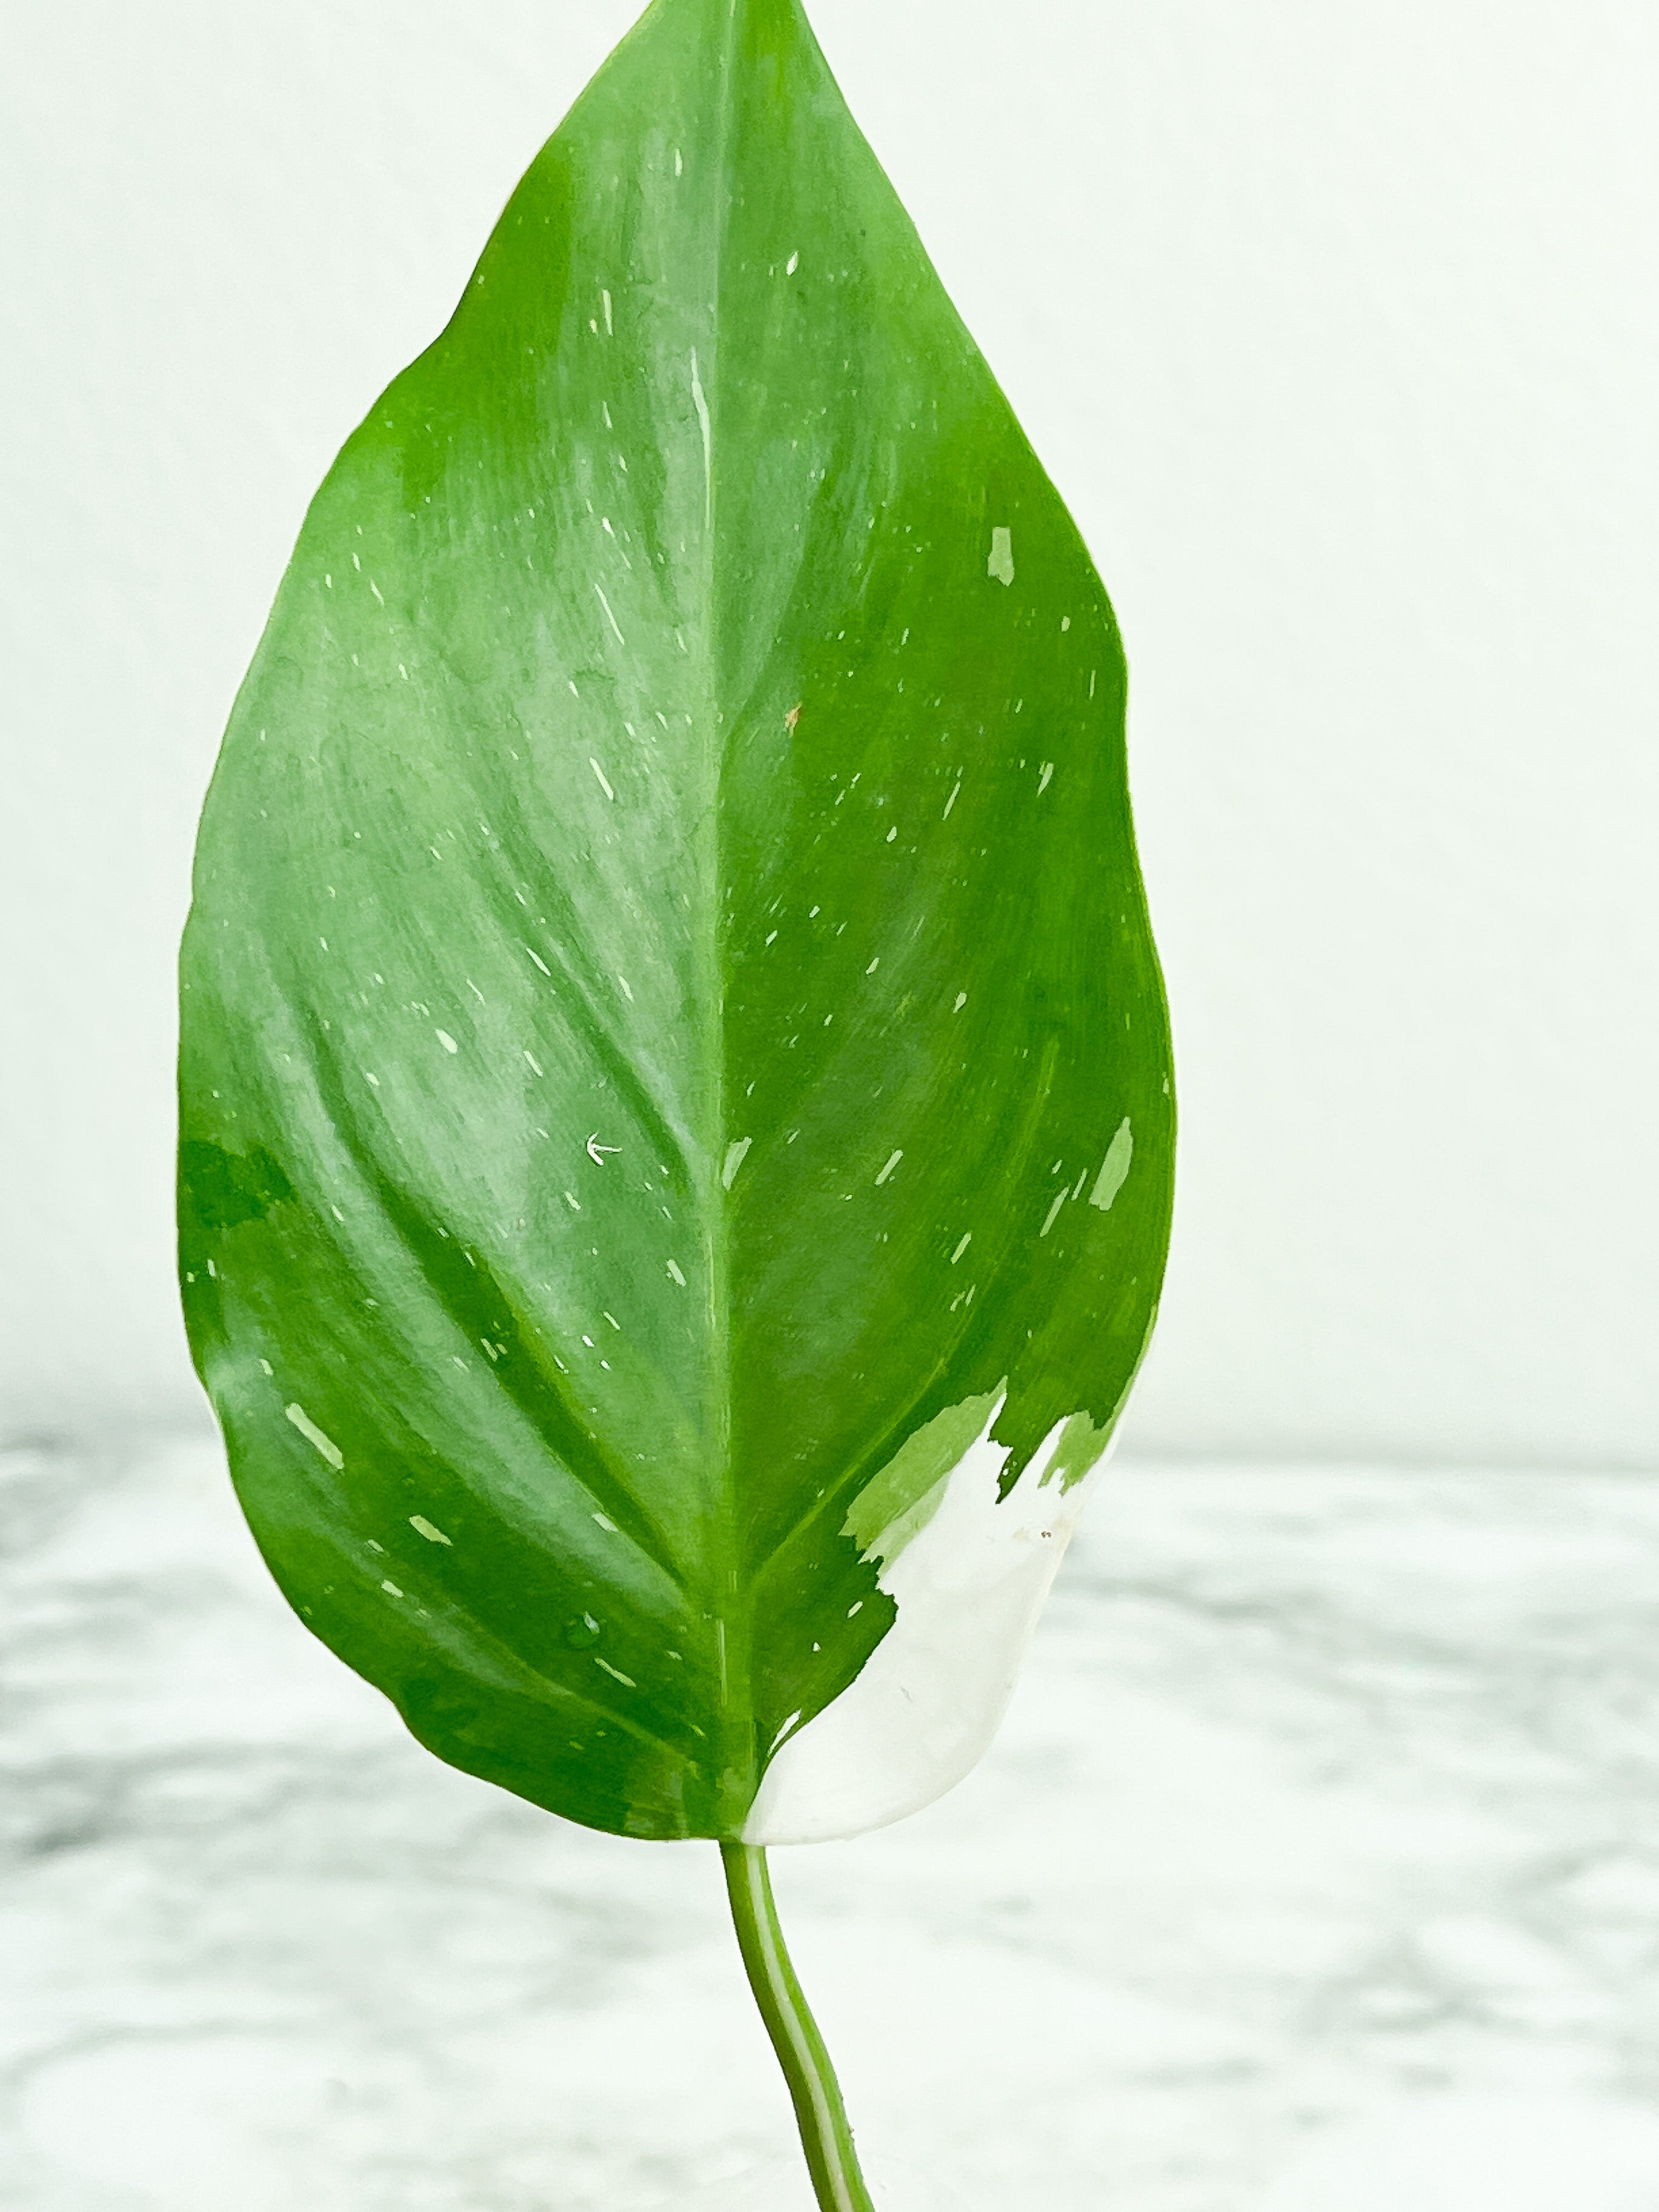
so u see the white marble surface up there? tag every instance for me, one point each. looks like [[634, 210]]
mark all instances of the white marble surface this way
[[1317, 1870]]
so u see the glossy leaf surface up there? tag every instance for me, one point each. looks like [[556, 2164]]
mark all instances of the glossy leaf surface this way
[[672, 1050]]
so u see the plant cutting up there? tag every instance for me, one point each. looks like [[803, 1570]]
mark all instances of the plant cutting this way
[[676, 1121]]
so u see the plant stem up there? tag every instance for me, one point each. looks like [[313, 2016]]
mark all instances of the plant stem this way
[[825, 2134]]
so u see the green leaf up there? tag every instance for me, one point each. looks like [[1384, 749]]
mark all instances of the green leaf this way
[[677, 1131]]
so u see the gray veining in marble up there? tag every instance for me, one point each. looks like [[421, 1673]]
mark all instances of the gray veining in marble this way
[[1317, 1870]]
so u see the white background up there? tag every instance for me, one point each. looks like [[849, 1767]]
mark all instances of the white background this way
[[1336, 325]]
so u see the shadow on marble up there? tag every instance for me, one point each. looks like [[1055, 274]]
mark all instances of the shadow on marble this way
[[781, 2185]]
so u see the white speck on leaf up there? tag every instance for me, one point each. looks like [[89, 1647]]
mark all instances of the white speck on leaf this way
[[1114, 1169], [1001, 562], [1054, 1210], [607, 1524], [312, 1435], [962, 1247], [893, 1162], [1043, 781], [612, 619], [735, 1155], [604, 786], [596, 1151], [423, 1527], [447, 1042], [701, 405], [791, 265], [673, 1269]]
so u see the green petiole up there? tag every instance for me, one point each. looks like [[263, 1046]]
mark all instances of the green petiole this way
[[825, 2132]]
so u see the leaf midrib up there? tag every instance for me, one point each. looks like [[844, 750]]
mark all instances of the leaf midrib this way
[[732, 1655]]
